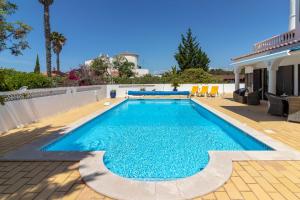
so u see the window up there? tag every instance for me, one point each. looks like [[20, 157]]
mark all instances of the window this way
[[285, 80]]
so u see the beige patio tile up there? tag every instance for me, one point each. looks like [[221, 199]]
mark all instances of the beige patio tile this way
[[285, 192], [246, 177], [232, 191], [56, 180], [269, 177], [265, 184], [240, 184], [259, 192], [249, 196], [222, 196], [251, 170], [210, 196], [277, 196], [290, 185]]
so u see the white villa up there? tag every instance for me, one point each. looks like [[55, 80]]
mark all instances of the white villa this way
[[131, 57], [273, 65]]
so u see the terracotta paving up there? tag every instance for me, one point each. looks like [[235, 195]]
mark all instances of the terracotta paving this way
[[61, 180]]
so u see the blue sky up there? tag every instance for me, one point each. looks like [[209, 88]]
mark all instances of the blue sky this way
[[151, 28]]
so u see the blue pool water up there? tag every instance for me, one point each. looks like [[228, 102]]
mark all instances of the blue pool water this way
[[156, 139]]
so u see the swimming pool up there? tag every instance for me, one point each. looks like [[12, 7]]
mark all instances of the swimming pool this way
[[157, 139]]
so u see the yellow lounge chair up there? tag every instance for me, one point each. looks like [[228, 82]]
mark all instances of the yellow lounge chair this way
[[214, 91], [194, 91], [203, 92]]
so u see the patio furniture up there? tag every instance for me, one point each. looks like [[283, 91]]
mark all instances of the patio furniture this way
[[276, 105], [239, 95], [194, 91], [253, 98], [204, 91], [294, 109], [214, 91]]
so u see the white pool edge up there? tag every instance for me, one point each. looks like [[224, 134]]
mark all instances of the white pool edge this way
[[274, 144], [33, 152], [99, 178], [215, 174]]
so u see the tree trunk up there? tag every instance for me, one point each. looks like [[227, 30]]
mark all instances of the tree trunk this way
[[47, 37], [57, 62]]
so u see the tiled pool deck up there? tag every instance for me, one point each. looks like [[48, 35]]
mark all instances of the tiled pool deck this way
[[61, 180]]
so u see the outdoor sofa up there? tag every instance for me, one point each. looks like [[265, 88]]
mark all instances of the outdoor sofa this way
[[239, 95], [251, 98], [276, 105]]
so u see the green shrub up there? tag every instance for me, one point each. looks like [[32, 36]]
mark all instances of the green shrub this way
[[59, 81], [193, 75], [14, 80], [196, 75], [2, 81], [175, 83], [148, 79]]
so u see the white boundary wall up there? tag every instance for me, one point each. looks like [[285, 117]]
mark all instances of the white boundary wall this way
[[123, 89], [18, 113]]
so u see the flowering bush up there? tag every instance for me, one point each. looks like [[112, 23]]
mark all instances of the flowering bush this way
[[73, 75]]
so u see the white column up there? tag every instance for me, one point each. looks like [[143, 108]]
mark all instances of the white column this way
[[293, 16], [272, 78], [237, 72], [296, 79]]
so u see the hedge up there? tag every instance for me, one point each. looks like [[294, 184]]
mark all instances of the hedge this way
[[11, 79]]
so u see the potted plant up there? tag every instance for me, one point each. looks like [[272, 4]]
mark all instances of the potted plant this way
[[175, 84], [113, 94]]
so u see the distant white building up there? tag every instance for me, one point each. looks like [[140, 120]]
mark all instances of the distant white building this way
[[130, 57]]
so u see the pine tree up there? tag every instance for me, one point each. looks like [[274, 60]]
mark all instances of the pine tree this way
[[190, 54], [37, 68]]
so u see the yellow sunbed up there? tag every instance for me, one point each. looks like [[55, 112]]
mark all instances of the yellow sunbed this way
[[214, 91], [204, 91], [194, 90]]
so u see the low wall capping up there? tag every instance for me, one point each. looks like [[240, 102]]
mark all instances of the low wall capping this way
[[89, 88], [30, 95], [24, 107], [122, 89]]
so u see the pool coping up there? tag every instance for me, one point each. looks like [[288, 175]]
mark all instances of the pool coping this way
[[32, 152], [99, 178]]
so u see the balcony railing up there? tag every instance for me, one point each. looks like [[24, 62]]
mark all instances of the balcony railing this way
[[276, 41]]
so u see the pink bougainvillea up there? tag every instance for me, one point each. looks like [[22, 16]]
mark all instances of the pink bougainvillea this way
[[73, 76]]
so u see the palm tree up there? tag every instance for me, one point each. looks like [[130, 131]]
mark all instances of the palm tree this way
[[58, 41], [47, 29]]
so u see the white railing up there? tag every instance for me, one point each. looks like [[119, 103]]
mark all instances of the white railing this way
[[276, 41], [25, 107]]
